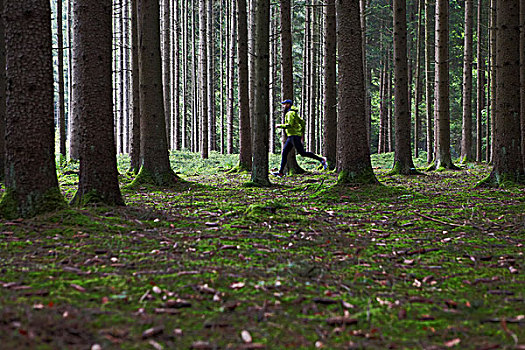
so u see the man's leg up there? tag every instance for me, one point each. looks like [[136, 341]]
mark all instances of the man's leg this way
[[288, 146], [300, 149]]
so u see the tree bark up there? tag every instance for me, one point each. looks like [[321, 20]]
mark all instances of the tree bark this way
[[135, 124], [92, 56], [417, 92], [330, 88], [61, 94], [287, 87], [493, 20], [480, 85], [403, 163], [508, 163], [245, 137], [2, 93], [522, 80], [212, 143], [466, 130], [428, 81], [312, 101], [353, 162], [154, 146], [203, 69], [31, 181], [231, 85], [166, 64], [261, 98], [176, 78], [442, 109]]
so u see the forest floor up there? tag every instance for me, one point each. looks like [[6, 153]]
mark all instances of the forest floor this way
[[424, 262]]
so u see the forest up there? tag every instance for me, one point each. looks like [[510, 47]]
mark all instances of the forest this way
[[256, 174]]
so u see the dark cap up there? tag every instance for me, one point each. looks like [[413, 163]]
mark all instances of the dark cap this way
[[287, 101]]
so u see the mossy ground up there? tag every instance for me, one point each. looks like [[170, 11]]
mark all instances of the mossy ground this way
[[420, 262]]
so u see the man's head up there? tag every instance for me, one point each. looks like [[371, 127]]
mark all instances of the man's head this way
[[287, 104]]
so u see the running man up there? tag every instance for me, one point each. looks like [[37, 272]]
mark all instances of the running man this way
[[294, 126]]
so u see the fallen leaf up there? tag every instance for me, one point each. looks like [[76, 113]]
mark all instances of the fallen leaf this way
[[78, 288], [452, 343], [155, 345], [151, 332], [246, 336], [341, 320], [237, 285]]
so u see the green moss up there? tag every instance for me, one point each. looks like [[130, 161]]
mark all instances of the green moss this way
[[503, 180], [399, 170], [34, 204], [239, 169], [164, 179], [366, 177], [93, 197]]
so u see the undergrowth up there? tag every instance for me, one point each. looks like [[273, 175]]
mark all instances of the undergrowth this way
[[415, 263]]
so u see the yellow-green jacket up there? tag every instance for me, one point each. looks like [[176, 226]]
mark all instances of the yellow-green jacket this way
[[293, 125]]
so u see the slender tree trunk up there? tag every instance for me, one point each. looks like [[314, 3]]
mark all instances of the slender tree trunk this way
[[287, 81], [261, 98], [480, 85], [154, 145], [388, 134], [92, 56], [508, 165], [403, 163], [522, 81], [417, 92], [74, 144], [195, 135], [2, 93], [29, 111], [382, 107], [330, 88], [185, 77], [135, 132], [203, 69], [442, 108], [362, 8], [353, 161], [245, 149], [231, 85], [121, 87], [466, 137], [223, 76], [61, 94], [429, 84], [176, 78], [212, 144], [312, 101], [494, 78], [166, 64]]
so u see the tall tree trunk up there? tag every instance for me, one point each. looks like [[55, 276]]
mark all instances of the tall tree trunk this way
[[231, 85], [287, 88], [92, 56], [135, 131], [508, 163], [261, 98], [429, 84], [166, 64], [176, 78], [417, 92], [442, 108], [212, 144], [203, 69], [61, 94], [245, 136], [29, 111], [480, 85], [362, 8], [522, 80], [154, 146], [466, 130], [330, 88], [382, 106], [353, 161], [185, 144], [121, 87], [194, 78], [403, 163], [494, 78], [2, 93], [389, 114], [74, 145], [312, 101]]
